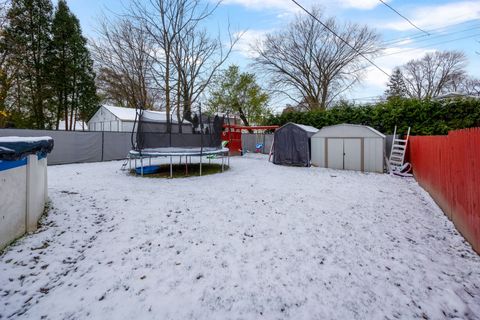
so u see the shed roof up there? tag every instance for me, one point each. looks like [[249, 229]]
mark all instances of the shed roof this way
[[349, 130], [304, 127]]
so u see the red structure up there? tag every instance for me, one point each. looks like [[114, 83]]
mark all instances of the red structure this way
[[448, 168], [233, 134]]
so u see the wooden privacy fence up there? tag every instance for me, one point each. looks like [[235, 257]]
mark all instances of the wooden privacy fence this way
[[448, 167]]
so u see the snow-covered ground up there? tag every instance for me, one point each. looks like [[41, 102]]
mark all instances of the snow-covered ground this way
[[257, 242]]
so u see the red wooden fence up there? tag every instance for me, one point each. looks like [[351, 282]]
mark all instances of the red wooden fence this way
[[448, 167]]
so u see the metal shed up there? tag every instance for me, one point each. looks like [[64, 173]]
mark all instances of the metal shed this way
[[291, 145], [349, 147]]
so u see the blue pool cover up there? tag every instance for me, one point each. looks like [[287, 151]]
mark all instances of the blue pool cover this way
[[17, 148]]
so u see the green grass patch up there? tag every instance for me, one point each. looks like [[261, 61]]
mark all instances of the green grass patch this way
[[181, 171]]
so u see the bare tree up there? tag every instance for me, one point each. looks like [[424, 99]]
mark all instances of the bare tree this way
[[197, 59], [469, 86], [185, 56], [434, 74], [123, 56], [310, 64]]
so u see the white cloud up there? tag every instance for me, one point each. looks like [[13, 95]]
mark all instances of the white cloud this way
[[288, 5], [360, 4], [249, 38], [263, 4], [438, 16]]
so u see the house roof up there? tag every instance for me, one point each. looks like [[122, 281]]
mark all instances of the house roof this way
[[129, 114]]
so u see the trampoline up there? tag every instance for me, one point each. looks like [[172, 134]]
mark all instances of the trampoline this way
[[154, 139], [171, 152]]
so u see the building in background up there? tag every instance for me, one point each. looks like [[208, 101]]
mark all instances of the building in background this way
[[110, 118]]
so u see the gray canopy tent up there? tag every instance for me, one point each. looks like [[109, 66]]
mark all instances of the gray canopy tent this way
[[291, 145]]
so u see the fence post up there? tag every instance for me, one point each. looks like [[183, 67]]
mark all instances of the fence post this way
[[263, 145], [103, 142]]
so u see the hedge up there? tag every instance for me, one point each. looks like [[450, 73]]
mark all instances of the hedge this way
[[425, 117]]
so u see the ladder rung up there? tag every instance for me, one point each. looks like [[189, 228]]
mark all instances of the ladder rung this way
[[396, 157], [400, 140], [399, 146], [396, 162]]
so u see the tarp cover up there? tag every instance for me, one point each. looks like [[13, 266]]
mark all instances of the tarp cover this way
[[16, 148], [291, 145]]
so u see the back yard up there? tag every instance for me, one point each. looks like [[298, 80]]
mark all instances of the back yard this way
[[259, 241]]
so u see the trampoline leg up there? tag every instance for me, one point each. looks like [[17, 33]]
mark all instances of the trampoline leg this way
[[141, 164], [135, 166], [223, 161], [200, 165], [150, 161], [171, 167]]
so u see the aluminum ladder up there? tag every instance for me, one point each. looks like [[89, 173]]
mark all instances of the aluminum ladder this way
[[399, 148]]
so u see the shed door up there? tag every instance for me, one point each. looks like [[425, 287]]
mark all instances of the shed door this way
[[335, 153], [352, 149]]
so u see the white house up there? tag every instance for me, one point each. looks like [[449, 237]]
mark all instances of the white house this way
[[110, 118]]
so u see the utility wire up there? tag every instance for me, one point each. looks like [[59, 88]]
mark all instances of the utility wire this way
[[415, 49], [346, 42], [398, 44], [401, 15], [339, 37], [429, 45], [417, 35]]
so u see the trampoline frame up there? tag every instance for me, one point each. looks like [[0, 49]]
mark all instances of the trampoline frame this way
[[177, 152]]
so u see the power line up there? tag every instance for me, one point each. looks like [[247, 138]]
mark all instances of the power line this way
[[429, 45], [439, 29], [415, 49], [339, 37], [401, 15], [392, 44]]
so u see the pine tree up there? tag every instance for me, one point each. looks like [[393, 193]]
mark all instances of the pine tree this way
[[27, 38], [396, 86], [73, 78]]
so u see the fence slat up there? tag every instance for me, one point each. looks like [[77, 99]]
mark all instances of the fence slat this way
[[448, 168]]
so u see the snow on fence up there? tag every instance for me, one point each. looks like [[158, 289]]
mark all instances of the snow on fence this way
[[448, 168]]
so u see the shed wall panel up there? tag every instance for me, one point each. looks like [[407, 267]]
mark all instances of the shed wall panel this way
[[335, 153], [374, 149], [318, 152], [352, 151]]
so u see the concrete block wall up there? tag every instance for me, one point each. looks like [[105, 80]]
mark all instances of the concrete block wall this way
[[23, 195]]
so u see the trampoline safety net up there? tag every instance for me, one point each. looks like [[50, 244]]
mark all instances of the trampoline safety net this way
[[156, 133]]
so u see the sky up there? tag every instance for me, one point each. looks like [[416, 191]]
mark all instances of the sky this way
[[451, 24]]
